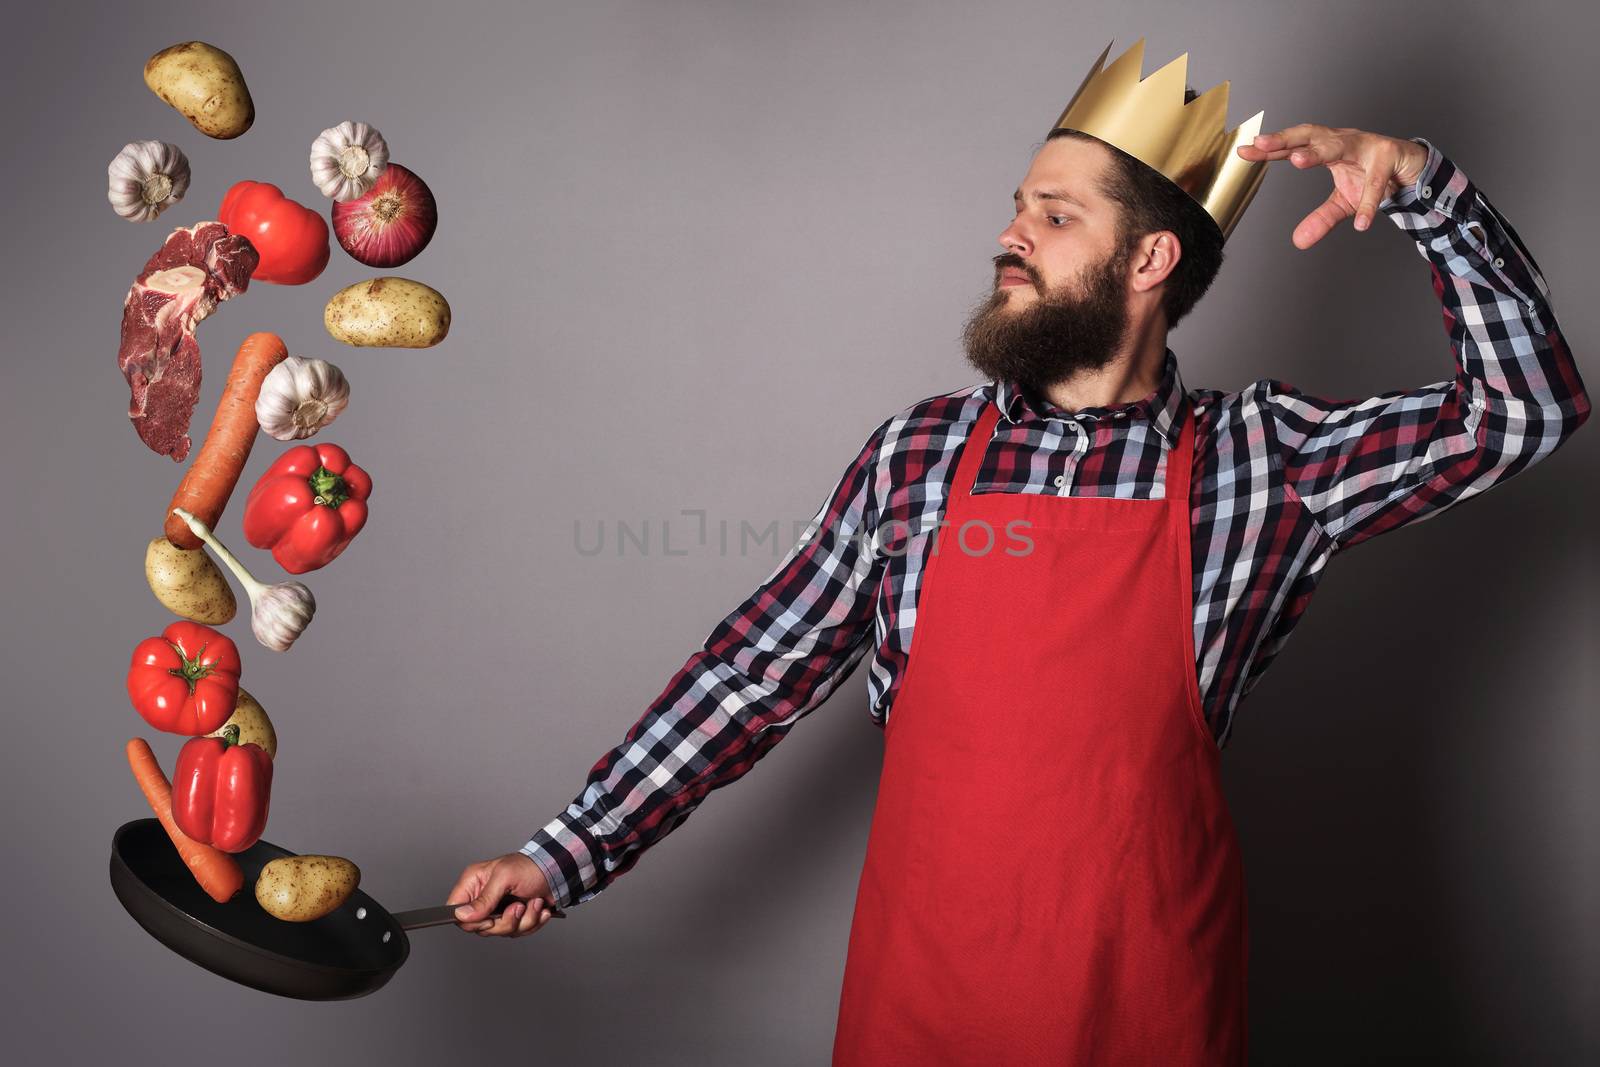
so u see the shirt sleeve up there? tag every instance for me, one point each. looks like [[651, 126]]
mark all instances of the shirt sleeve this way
[[764, 667], [1364, 467]]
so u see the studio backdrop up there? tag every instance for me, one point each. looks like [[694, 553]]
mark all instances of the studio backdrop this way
[[695, 252]]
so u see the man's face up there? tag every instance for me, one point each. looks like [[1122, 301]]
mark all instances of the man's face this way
[[1060, 302]]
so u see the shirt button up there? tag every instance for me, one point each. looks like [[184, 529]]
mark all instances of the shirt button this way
[[1498, 262], [1060, 480], [1427, 191]]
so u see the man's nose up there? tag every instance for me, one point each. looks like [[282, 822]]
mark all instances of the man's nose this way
[[1015, 240]]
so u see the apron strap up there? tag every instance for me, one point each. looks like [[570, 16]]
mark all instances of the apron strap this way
[[1180, 459], [972, 451]]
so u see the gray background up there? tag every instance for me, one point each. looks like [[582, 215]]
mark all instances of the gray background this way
[[696, 251]]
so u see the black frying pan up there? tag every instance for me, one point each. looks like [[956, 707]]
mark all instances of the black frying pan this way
[[336, 957]]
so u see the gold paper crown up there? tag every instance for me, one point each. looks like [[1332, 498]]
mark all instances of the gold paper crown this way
[[1186, 143]]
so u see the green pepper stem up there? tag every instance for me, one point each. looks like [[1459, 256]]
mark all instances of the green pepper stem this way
[[252, 587], [328, 488], [230, 736]]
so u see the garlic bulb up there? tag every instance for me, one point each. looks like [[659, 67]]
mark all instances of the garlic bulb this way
[[301, 396], [347, 159], [147, 177], [278, 613], [281, 613]]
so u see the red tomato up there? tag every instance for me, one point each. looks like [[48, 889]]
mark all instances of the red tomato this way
[[187, 680], [292, 239]]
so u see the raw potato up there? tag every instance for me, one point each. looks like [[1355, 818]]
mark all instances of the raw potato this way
[[205, 85], [254, 726], [388, 313], [298, 889], [188, 583]]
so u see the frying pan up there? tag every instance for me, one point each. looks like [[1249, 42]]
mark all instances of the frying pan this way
[[347, 953]]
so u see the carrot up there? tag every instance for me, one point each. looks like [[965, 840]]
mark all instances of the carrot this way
[[217, 872], [210, 479]]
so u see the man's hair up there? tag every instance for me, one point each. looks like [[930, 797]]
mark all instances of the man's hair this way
[[1150, 203]]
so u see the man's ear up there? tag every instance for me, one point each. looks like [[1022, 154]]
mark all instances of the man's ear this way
[[1154, 257]]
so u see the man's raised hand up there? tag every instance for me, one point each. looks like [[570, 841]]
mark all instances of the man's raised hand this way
[[1365, 167]]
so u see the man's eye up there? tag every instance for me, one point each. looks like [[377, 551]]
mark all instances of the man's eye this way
[[1052, 218]]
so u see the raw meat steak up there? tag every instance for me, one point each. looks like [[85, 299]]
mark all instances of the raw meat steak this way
[[180, 285]]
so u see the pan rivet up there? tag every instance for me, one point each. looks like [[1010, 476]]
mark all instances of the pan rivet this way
[[361, 913], [386, 937]]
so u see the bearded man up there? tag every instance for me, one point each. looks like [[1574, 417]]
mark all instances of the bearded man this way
[[1052, 874]]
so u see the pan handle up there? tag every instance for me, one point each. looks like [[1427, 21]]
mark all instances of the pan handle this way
[[439, 914]]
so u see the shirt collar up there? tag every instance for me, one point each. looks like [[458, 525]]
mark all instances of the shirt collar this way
[[1162, 406]]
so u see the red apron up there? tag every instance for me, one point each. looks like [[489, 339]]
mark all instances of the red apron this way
[[1052, 875]]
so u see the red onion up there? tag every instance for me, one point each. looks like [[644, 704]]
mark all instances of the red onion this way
[[391, 223]]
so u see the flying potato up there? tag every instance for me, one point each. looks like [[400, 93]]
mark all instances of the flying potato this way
[[298, 889], [254, 726], [388, 313], [205, 85], [187, 583]]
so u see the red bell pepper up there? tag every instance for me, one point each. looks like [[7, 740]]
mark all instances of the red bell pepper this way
[[221, 789], [292, 239], [307, 507], [187, 680]]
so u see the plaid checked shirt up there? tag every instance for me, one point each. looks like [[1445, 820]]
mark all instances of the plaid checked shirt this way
[[1282, 481]]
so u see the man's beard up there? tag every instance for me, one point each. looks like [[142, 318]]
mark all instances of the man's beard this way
[[1056, 336]]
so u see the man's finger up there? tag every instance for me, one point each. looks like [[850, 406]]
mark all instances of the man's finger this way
[[529, 920], [486, 928], [1257, 153], [475, 909], [1290, 136], [1378, 171], [487, 898], [1315, 226], [1307, 155], [474, 926], [1327, 147], [467, 886], [506, 921]]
